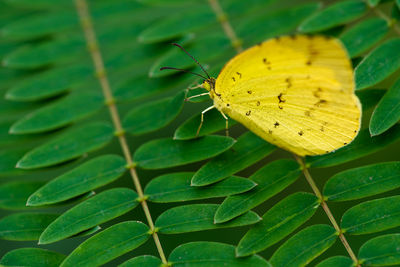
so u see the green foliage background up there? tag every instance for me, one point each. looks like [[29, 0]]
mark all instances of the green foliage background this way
[[56, 128]]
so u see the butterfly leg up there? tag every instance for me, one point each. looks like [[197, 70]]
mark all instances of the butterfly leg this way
[[194, 96], [196, 86], [226, 123], [202, 118]]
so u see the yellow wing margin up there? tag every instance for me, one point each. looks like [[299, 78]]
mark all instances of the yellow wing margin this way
[[296, 92]]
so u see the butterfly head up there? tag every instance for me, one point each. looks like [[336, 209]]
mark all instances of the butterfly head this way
[[209, 85]]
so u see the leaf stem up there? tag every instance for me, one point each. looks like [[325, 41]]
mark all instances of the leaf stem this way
[[328, 212], [391, 22], [223, 19], [91, 40]]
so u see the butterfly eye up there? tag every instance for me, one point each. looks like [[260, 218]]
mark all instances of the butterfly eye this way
[[206, 85]]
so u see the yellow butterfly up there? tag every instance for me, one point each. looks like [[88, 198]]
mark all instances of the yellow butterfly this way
[[296, 92]]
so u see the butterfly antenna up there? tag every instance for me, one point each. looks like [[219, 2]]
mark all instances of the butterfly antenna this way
[[183, 49], [171, 68]]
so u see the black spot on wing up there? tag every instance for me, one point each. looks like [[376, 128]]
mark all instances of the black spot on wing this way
[[320, 102], [267, 63], [281, 100], [317, 93], [288, 80]]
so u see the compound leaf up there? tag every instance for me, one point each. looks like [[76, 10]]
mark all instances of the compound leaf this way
[[164, 153], [248, 149], [278, 222], [67, 146], [270, 180], [88, 176], [212, 254], [34, 257], [198, 217], [363, 181], [175, 187], [304, 246], [108, 244], [96, 210], [372, 216]]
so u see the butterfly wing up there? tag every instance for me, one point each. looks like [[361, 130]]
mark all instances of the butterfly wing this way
[[296, 92]]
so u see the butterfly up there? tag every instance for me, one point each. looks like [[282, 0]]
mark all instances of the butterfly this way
[[296, 92]]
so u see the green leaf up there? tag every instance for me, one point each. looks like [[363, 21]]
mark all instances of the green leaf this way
[[33, 257], [304, 246], [198, 217], [278, 222], [68, 145], [13, 195], [395, 14], [177, 25], [248, 150], [378, 65], [387, 113], [59, 113], [153, 115], [49, 83], [9, 158], [164, 153], [88, 232], [198, 99], [40, 4], [278, 23], [38, 25], [41, 24], [363, 182], [211, 254], [381, 251], [361, 146], [88, 176], [108, 244], [337, 261], [373, 3], [174, 187], [213, 122], [45, 53], [372, 216], [70, 47], [142, 261], [96, 210], [24, 226], [7, 140], [369, 97], [270, 180], [141, 86], [337, 14], [364, 35]]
